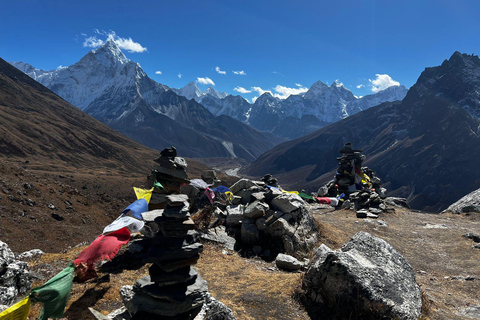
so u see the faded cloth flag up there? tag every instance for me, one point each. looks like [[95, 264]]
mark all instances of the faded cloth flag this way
[[19, 311], [54, 294], [104, 247], [131, 223], [136, 209], [143, 193]]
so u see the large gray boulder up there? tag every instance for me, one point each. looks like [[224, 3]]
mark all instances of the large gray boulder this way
[[367, 279], [287, 263], [469, 203], [15, 278]]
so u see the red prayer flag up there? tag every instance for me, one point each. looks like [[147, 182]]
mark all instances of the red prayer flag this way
[[103, 247]]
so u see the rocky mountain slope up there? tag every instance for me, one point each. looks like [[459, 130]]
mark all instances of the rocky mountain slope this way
[[115, 90], [298, 114], [423, 147]]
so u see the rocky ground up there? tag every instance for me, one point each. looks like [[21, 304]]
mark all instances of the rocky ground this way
[[446, 262]]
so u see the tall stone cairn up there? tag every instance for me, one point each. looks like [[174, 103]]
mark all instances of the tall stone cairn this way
[[173, 289]]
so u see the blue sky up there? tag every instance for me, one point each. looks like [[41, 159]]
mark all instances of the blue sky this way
[[281, 45]]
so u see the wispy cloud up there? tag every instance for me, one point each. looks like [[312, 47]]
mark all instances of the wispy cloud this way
[[180, 75], [241, 90], [382, 82], [158, 72], [205, 80], [60, 67], [277, 73], [360, 86], [240, 73], [283, 92], [220, 71], [123, 43]]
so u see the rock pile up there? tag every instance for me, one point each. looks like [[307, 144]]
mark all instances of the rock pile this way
[[15, 279], [173, 289], [267, 221], [359, 186], [367, 278]]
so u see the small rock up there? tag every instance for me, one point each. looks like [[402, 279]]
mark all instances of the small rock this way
[[30, 254], [474, 236], [57, 217], [287, 263], [51, 206]]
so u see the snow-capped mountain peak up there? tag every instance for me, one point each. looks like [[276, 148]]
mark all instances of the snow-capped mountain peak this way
[[110, 54], [211, 91]]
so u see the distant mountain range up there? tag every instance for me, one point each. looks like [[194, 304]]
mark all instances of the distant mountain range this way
[[39, 126], [425, 147], [115, 90], [295, 116]]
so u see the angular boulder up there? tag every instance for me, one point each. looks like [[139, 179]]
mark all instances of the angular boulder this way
[[469, 203], [287, 202], [287, 263], [367, 278]]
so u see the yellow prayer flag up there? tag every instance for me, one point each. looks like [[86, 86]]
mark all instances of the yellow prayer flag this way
[[230, 195], [143, 194], [294, 192], [19, 311]]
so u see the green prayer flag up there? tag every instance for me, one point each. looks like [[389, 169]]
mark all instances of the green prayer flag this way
[[305, 196], [157, 185], [54, 294]]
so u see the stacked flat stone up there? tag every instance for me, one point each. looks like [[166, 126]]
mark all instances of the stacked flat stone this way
[[344, 178], [173, 289], [171, 172]]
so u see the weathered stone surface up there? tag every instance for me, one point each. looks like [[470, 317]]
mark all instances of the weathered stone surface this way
[[15, 279], [397, 202], [234, 215], [272, 193], [364, 213], [474, 236], [287, 202], [165, 302], [469, 203], [157, 254], [368, 278], [30, 254], [287, 262], [178, 212], [255, 210], [279, 228], [213, 309], [119, 314], [176, 199], [249, 232], [241, 184], [219, 235]]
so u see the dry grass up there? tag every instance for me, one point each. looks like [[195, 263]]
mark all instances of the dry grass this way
[[252, 288]]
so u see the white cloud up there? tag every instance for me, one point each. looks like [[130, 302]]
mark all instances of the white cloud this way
[[92, 42], [60, 67], [240, 73], [277, 73], [283, 92], [220, 71], [261, 91], [241, 90], [299, 85], [205, 80], [123, 43], [180, 75], [158, 72], [360, 86], [382, 82]]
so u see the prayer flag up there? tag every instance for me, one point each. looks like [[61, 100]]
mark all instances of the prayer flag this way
[[131, 223], [143, 193], [54, 294], [136, 209], [103, 247], [210, 194], [19, 311]]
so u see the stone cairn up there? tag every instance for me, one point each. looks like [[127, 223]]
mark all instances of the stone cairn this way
[[359, 185], [173, 289]]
